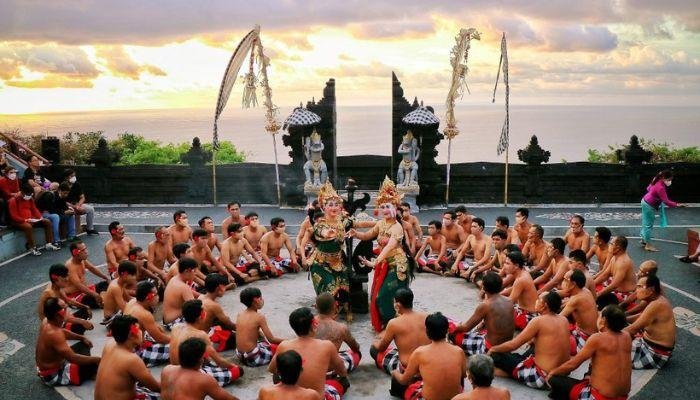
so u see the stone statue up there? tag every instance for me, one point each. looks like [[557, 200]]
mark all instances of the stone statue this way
[[408, 168], [315, 168]]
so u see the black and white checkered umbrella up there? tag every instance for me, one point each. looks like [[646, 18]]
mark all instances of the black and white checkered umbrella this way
[[420, 116], [301, 117]]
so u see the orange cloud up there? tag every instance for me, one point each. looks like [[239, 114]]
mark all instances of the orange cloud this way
[[120, 63]]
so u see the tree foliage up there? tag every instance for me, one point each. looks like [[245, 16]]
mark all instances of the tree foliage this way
[[663, 152]]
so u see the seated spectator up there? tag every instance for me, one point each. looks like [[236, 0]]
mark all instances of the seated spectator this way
[[76, 199], [34, 176], [46, 203], [25, 216], [9, 187]]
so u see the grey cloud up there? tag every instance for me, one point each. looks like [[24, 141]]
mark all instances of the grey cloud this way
[[48, 58], [391, 29], [580, 38]]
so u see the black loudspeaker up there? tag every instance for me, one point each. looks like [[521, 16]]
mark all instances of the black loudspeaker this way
[[51, 149]]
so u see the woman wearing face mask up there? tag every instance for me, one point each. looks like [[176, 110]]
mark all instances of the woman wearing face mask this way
[[655, 200], [9, 187], [392, 268]]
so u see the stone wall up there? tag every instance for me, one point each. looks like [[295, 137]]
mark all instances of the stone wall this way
[[568, 183]]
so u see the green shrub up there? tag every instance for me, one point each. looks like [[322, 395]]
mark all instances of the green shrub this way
[[77, 147], [663, 152]]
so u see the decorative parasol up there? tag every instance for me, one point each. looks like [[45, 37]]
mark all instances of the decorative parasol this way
[[420, 116], [301, 117]]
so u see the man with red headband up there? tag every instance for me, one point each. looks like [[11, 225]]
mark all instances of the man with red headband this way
[[116, 296], [117, 248], [155, 346]]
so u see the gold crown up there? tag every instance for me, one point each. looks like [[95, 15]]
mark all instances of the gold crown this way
[[315, 137], [388, 193], [326, 193]]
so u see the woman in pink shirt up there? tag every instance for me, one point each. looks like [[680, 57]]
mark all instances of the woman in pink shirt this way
[[656, 199]]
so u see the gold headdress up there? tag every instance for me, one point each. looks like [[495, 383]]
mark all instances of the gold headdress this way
[[326, 193], [388, 193]]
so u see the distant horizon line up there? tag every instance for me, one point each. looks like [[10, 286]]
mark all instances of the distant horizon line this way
[[117, 110]]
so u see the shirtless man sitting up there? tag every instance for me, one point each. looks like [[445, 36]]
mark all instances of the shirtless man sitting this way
[[201, 253], [239, 257], [140, 258], [577, 237], [409, 232], [117, 294], [577, 261], [180, 230], [522, 225], [181, 250], [319, 357], [252, 231], [550, 333], [58, 280], [610, 373], [58, 364], [234, 217], [250, 348], [289, 369], [222, 331], [654, 330], [121, 369], [178, 292], [523, 292], [479, 245], [632, 305], [558, 266], [617, 281], [499, 240], [464, 219], [117, 248], [441, 365], [337, 332], [414, 224], [187, 381], [535, 250], [454, 236], [503, 223], [580, 309], [224, 371], [600, 248], [480, 374], [407, 331], [160, 251], [436, 246], [270, 245], [154, 349], [77, 287], [207, 224], [491, 323]]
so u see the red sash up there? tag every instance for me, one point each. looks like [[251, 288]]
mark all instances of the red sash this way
[[380, 272]]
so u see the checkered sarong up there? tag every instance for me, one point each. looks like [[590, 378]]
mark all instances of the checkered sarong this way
[[530, 374], [648, 356], [143, 393], [223, 376], [430, 261], [389, 360], [153, 353], [66, 374], [475, 343], [577, 339], [170, 325], [414, 391], [261, 355], [330, 392], [350, 359], [584, 391], [282, 264], [522, 317]]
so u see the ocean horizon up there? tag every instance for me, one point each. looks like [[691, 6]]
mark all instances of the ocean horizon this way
[[566, 131]]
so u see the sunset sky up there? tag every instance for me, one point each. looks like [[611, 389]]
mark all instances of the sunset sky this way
[[104, 55]]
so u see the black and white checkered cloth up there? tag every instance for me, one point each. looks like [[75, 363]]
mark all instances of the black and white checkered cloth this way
[[143, 393], [644, 356], [331, 393], [153, 353], [259, 356], [350, 359], [301, 117], [389, 360], [530, 374], [223, 376], [420, 116], [474, 343]]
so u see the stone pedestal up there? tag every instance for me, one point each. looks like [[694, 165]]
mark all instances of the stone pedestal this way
[[410, 193], [311, 192]]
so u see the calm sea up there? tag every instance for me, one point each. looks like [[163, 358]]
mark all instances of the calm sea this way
[[566, 131]]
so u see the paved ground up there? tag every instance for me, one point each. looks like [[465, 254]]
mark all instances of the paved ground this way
[[23, 278]]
